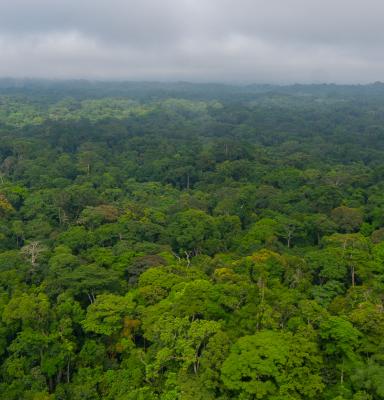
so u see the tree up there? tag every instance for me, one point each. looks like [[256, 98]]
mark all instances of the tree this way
[[5, 206], [106, 314], [88, 280], [183, 342], [288, 228], [347, 219], [32, 251], [340, 340], [273, 365], [193, 231], [95, 216]]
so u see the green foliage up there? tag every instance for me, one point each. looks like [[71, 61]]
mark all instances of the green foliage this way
[[271, 365], [179, 241], [105, 316]]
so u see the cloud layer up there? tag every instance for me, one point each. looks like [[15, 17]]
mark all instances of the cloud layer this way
[[277, 41]]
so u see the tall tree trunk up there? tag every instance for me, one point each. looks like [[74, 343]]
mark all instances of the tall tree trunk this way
[[353, 275], [68, 369]]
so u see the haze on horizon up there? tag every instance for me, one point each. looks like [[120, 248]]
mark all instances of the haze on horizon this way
[[263, 41]]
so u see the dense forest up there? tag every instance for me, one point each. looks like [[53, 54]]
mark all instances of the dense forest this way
[[187, 241]]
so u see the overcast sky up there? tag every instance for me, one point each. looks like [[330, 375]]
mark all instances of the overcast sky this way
[[276, 41]]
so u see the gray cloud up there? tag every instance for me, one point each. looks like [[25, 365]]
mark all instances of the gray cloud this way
[[279, 41]]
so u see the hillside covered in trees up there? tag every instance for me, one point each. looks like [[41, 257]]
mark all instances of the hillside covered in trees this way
[[191, 242]]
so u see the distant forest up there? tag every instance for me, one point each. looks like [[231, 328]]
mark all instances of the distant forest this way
[[179, 241]]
